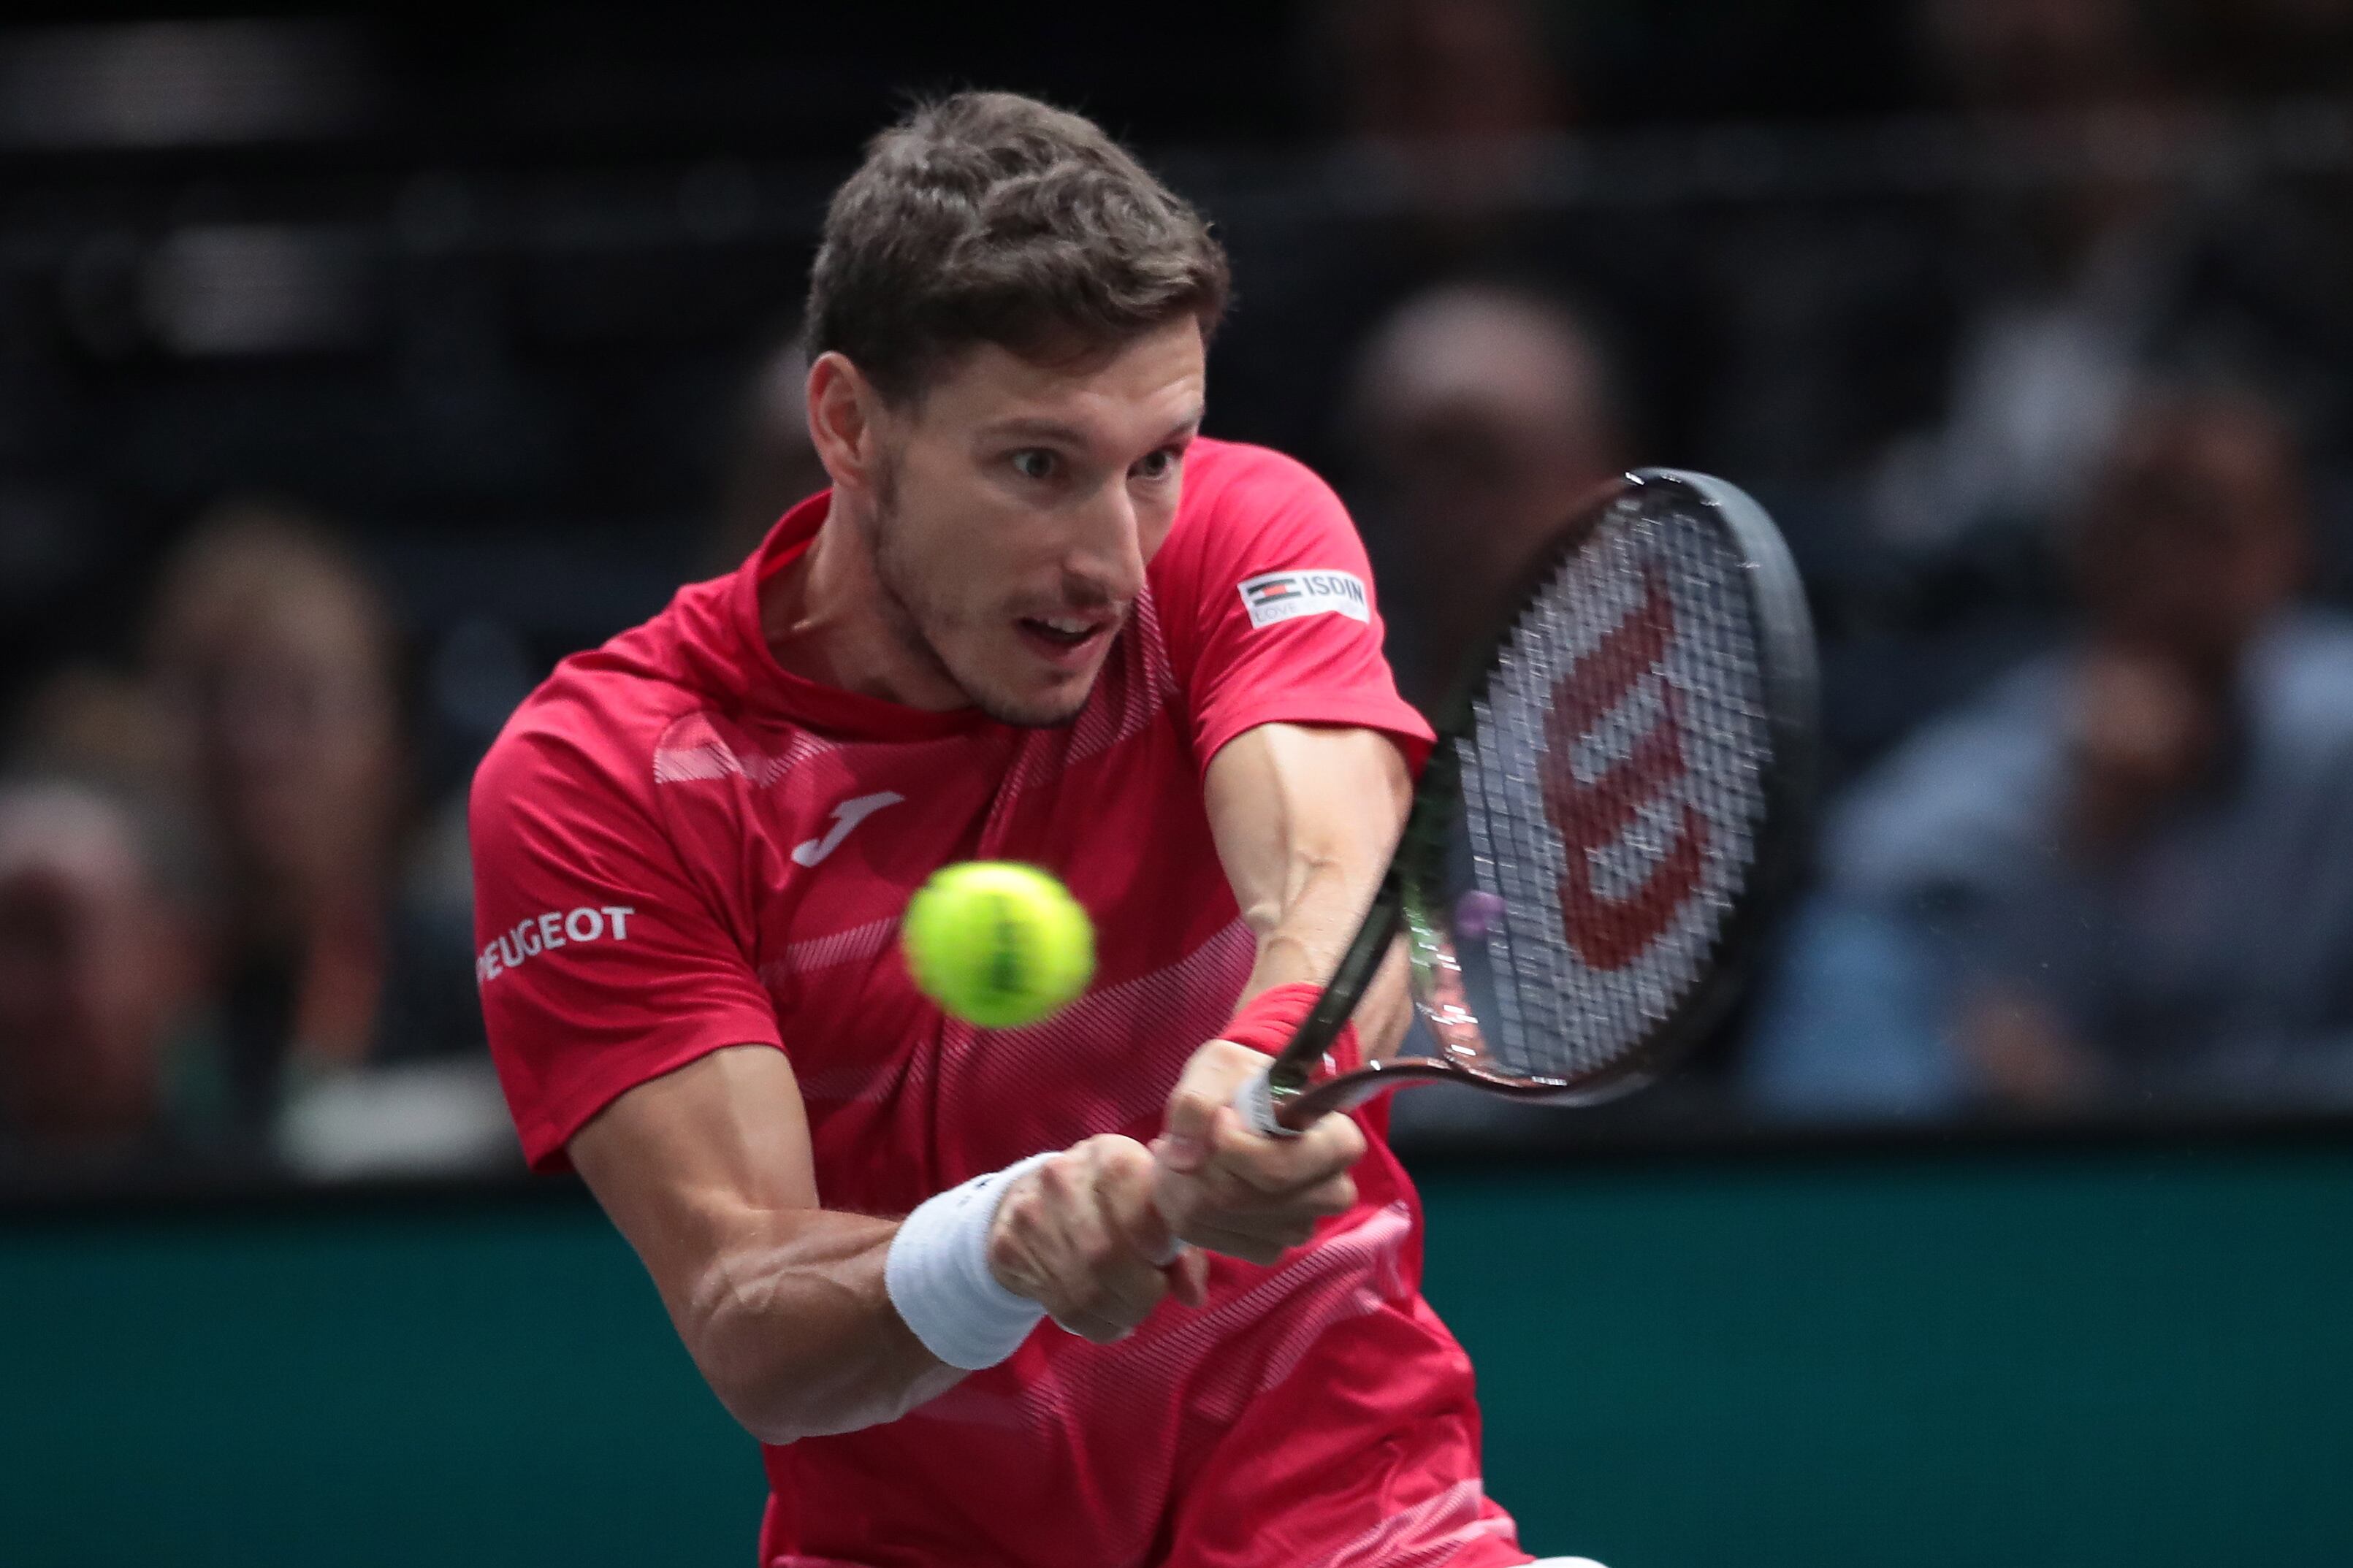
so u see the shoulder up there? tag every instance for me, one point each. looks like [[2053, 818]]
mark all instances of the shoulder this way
[[2302, 681], [1235, 492], [595, 730], [1227, 475], [1250, 508]]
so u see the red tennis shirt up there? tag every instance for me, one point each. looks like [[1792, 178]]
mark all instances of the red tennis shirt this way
[[680, 847]]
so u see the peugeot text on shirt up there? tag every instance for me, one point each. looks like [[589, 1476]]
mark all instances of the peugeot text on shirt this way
[[557, 927]]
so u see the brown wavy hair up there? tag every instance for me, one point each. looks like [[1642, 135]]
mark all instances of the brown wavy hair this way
[[991, 217]]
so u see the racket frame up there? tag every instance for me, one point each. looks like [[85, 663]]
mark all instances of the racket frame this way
[[1289, 1094]]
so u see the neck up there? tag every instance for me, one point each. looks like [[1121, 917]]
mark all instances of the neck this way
[[829, 618]]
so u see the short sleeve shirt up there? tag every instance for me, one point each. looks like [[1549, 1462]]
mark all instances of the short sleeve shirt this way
[[681, 847]]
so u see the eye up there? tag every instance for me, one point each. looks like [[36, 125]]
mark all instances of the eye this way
[[1158, 464], [1034, 463]]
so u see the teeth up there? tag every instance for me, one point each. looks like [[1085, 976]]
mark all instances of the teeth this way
[[1067, 628]]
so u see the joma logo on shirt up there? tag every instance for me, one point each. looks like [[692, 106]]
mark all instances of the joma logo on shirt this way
[[1273, 596], [557, 927], [845, 815]]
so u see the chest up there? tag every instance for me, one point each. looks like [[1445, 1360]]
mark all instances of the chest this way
[[813, 847]]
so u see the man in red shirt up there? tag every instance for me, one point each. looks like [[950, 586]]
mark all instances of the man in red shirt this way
[[1035, 617]]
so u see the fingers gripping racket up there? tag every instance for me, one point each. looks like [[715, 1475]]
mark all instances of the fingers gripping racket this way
[[1614, 795]]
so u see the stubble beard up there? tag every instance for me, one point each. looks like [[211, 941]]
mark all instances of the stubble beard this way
[[915, 617]]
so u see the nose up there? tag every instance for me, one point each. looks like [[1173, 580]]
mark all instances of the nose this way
[[1107, 555]]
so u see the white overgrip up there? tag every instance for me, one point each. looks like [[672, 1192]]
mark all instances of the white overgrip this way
[[1254, 1102]]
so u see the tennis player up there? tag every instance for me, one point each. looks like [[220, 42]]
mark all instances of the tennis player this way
[[1038, 617]]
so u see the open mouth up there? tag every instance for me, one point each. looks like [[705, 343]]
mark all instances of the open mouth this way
[[1064, 640]]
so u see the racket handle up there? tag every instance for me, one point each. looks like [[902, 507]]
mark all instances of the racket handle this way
[[1255, 1102]]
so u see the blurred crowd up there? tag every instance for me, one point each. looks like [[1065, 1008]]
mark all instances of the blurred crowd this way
[[228, 933], [2053, 398]]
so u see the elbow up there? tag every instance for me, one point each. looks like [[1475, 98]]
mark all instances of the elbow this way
[[756, 1379], [772, 1425], [775, 1393], [784, 1410]]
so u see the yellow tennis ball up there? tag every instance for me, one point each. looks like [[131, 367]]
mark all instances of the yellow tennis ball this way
[[997, 944]]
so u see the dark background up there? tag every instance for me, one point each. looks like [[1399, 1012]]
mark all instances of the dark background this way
[[558, 239], [486, 289]]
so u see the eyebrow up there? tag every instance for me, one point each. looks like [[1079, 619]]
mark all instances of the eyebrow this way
[[1037, 429], [1055, 430]]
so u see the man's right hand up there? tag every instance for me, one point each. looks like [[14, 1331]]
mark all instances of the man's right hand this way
[[1081, 1235], [1238, 1192]]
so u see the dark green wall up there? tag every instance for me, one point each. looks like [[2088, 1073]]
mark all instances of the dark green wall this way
[[1980, 1358]]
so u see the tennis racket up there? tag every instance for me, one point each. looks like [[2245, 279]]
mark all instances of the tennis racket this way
[[1615, 797]]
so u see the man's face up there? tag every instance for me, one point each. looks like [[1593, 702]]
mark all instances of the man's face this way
[[1016, 506], [295, 736], [2196, 537], [1484, 423], [89, 978]]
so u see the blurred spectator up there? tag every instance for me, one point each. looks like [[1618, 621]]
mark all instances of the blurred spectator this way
[[772, 463], [1478, 416], [2140, 256], [102, 1060], [2126, 873], [1440, 115], [2272, 46], [1445, 98], [275, 661], [2043, 56], [2075, 279], [1924, 389], [86, 720]]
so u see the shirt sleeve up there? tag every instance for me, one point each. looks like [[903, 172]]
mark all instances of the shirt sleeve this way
[[1272, 613], [600, 962]]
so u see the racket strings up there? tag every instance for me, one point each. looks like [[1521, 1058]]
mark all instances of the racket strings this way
[[1613, 787]]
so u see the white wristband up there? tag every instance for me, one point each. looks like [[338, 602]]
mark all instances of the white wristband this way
[[938, 1276]]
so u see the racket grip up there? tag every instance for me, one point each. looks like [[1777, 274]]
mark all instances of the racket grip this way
[[1254, 1102]]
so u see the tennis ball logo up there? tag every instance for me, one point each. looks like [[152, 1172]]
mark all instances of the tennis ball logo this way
[[997, 944]]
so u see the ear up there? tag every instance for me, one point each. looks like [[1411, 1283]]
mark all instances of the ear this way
[[845, 415]]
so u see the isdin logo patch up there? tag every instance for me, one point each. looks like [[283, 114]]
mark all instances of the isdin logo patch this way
[[1273, 596]]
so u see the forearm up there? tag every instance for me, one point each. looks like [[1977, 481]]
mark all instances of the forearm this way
[[1305, 821], [803, 1320], [795, 1331], [1302, 937]]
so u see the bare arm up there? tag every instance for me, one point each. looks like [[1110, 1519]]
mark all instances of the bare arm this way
[[782, 1303], [1305, 821]]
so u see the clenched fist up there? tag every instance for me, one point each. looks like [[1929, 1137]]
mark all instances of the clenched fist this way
[[1081, 1237], [1237, 1191]]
